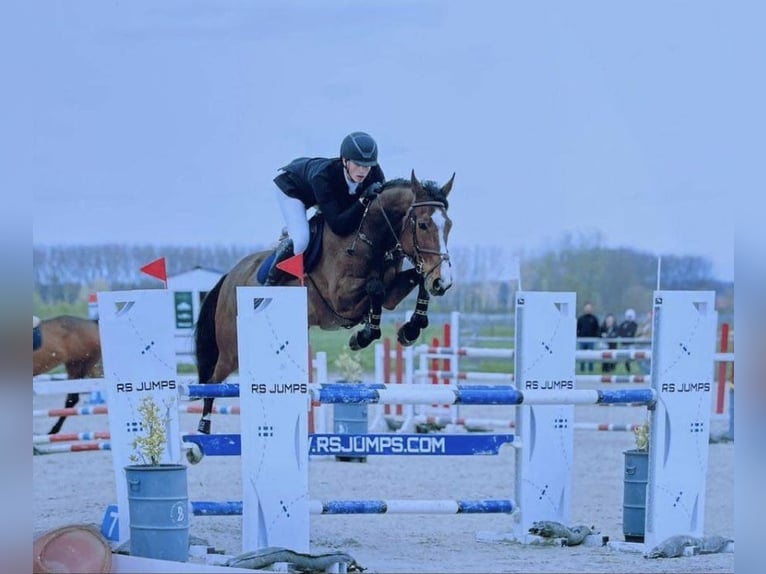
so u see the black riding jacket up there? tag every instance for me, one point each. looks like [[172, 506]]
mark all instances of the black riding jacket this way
[[321, 182], [587, 326]]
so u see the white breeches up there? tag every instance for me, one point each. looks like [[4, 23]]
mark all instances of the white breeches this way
[[294, 214]]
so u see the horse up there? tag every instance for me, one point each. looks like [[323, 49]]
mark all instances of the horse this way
[[352, 280], [73, 342]]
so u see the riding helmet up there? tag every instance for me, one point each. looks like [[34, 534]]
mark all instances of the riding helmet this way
[[360, 148]]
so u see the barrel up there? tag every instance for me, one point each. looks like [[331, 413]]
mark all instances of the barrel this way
[[350, 419], [158, 502], [634, 495]]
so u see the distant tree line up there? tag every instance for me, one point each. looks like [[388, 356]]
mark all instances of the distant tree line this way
[[613, 279], [69, 273]]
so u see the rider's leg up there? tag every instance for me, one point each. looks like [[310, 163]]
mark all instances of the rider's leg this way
[[294, 213], [284, 250]]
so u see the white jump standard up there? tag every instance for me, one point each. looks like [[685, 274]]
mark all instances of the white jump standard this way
[[139, 360]]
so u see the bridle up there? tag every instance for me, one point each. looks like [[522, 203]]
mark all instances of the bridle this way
[[416, 258]]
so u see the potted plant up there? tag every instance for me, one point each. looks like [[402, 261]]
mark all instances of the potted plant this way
[[349, 418], [349, 367], [635, 481], [157, 492]]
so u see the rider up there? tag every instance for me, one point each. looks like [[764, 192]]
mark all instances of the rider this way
[[340, 187]]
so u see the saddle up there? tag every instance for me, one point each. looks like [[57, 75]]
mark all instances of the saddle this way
[[310, 257]]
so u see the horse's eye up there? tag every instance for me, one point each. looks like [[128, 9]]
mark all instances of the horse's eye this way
[[423, 225]]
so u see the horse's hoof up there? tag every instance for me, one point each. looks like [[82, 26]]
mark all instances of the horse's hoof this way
[[360, 340], [407, 337], [204, 426], [403, 340], [194, 453]]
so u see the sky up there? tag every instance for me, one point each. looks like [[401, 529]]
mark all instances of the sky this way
[[165, 122]]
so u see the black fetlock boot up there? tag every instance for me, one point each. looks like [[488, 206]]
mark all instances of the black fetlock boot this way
[[284, 251]]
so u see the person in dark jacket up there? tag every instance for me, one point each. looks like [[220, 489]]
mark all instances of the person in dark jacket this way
[[341, 188], [627, 329], [609, 332], [587, 326]]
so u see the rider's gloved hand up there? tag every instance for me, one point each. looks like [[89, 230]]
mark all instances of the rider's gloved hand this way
[[371, 193]]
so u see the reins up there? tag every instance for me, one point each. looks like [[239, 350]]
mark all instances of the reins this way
[[416, 259]]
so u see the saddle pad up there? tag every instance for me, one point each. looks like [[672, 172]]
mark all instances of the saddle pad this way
[[310, 257]]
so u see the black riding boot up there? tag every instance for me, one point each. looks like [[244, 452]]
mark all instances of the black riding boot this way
[[284, 251]]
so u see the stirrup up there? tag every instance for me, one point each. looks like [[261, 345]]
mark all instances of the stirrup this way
[[275, 276]]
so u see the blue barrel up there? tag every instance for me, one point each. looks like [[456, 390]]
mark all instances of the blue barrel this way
[[350, 419], [634, 495], [158, 502]]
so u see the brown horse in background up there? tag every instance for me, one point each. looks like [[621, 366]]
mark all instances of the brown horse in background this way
[[74, 343], [354, 278]]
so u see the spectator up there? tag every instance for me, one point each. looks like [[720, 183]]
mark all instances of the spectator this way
[[627, 329], [609, 332], [587, 326], [645, 332]]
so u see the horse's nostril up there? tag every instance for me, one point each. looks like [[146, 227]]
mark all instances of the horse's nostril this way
[[441, 287]]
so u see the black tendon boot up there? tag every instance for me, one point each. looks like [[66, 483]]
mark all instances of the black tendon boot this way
[[284, 251]]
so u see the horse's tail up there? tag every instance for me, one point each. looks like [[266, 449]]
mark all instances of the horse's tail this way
[[205, 345]]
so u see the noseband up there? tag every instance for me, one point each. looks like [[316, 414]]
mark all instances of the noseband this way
[[417, 258]]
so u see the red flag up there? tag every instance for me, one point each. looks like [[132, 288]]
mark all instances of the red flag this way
[[293, 266], [157, 269]]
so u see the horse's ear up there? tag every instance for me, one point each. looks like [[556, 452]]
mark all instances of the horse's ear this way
[[416, 187], [448, 186]]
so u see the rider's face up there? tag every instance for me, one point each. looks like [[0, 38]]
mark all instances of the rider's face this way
[[357, 172]]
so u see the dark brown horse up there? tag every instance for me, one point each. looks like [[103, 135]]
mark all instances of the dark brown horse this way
[[74, 343], [354, 278]]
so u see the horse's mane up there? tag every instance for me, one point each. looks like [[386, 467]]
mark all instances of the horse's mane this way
[[431, 188]]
